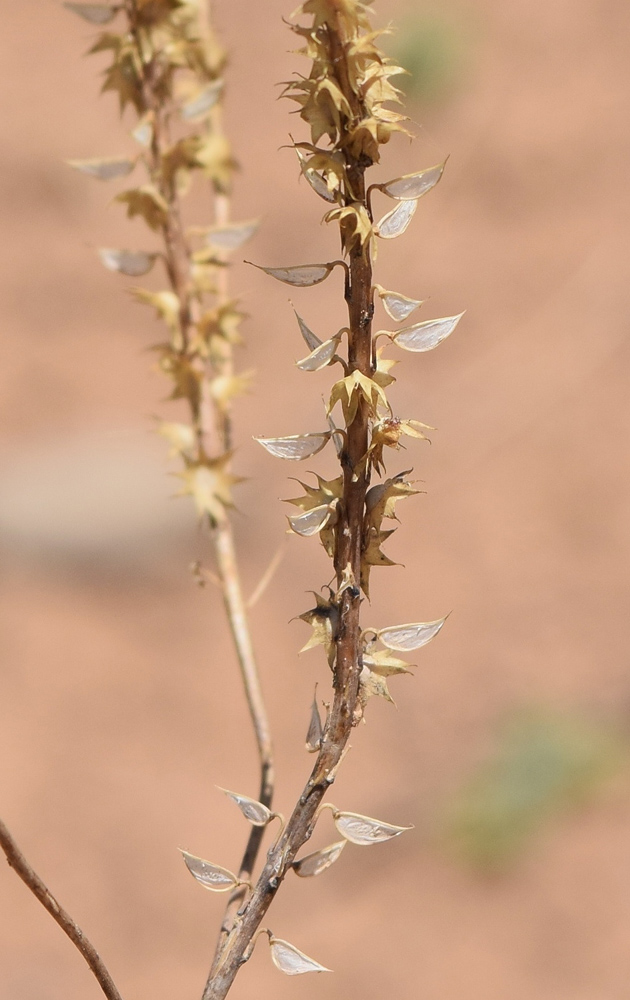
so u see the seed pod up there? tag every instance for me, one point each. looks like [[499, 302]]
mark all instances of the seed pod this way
[[105, 169], [425, 336], [203, 102], [291, 960], [315, 731], [319, 861], [412, 636], [321, 356], [363, 830], [398, 306], [413, 185], [396, 222], [254, 811], [210, 876], [130, 262], [301, 275], [93, 13], [295, 447]]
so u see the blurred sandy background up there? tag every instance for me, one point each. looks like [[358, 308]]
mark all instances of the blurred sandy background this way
[[120, 708]]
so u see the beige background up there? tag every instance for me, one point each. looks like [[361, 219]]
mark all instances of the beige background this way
[[119, 705]]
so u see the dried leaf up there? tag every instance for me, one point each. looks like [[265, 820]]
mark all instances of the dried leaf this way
[[147, 202], [363, 830], [425, 336], [166, 304], [413, 185], [412, 636], [312, 521], [321, 356], [319, 861], [312, 342], [395, 222], [104, 169], [206, 481], [301, 275], [202, 102], [231, 237], [255, 812], [373, 685], [324, 620], [296, 447], [382, 662], [291, 960], [210, 876], [181, 437], [398, 306], [315, 730], [93, 13], [131, 262]]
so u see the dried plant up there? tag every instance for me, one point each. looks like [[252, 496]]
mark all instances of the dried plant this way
[[170, 72]]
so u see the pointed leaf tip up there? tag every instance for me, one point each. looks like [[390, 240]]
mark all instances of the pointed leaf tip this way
[[425, 336], [210, 876], [254, 811], [319, 861], [363, 830], [312, 341], [291, 960], [404, 638]]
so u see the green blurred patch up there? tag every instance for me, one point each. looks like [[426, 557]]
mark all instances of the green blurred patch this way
[[545, 764], [432, 50]]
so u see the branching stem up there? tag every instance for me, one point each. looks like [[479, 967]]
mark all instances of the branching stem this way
[[31, 879]]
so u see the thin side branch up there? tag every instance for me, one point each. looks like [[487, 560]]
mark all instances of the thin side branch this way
[[31, 879]]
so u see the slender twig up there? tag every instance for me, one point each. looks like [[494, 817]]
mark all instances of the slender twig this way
[[207, 418], [31, 879]]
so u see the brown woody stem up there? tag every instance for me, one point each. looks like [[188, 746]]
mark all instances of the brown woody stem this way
[[20, 865]]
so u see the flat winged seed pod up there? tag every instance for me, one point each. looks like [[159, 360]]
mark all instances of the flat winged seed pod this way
[[291, 960], [398, 306], [312, 341], [255, 812], [321, 356], [425, 336], [315, 731], [94, 13], [395, 222], [210, 876], [203, 102], [363, 830], [302, 275], [315, 864], [312, 521], [319, 185], [407, 637], [130, 262], [231, 237], [105, 169], [296, 447], [413, 185]]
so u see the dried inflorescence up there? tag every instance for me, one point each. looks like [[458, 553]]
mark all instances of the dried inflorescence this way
[[344, 100], [169, 69]]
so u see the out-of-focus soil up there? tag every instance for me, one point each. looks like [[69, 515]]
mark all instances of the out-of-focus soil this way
[[120, 708]]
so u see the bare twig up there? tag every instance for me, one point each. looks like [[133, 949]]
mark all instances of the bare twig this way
[[31, 879], [267, 576]]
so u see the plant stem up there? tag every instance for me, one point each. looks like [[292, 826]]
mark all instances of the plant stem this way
[[20, 865], [347, 666]]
